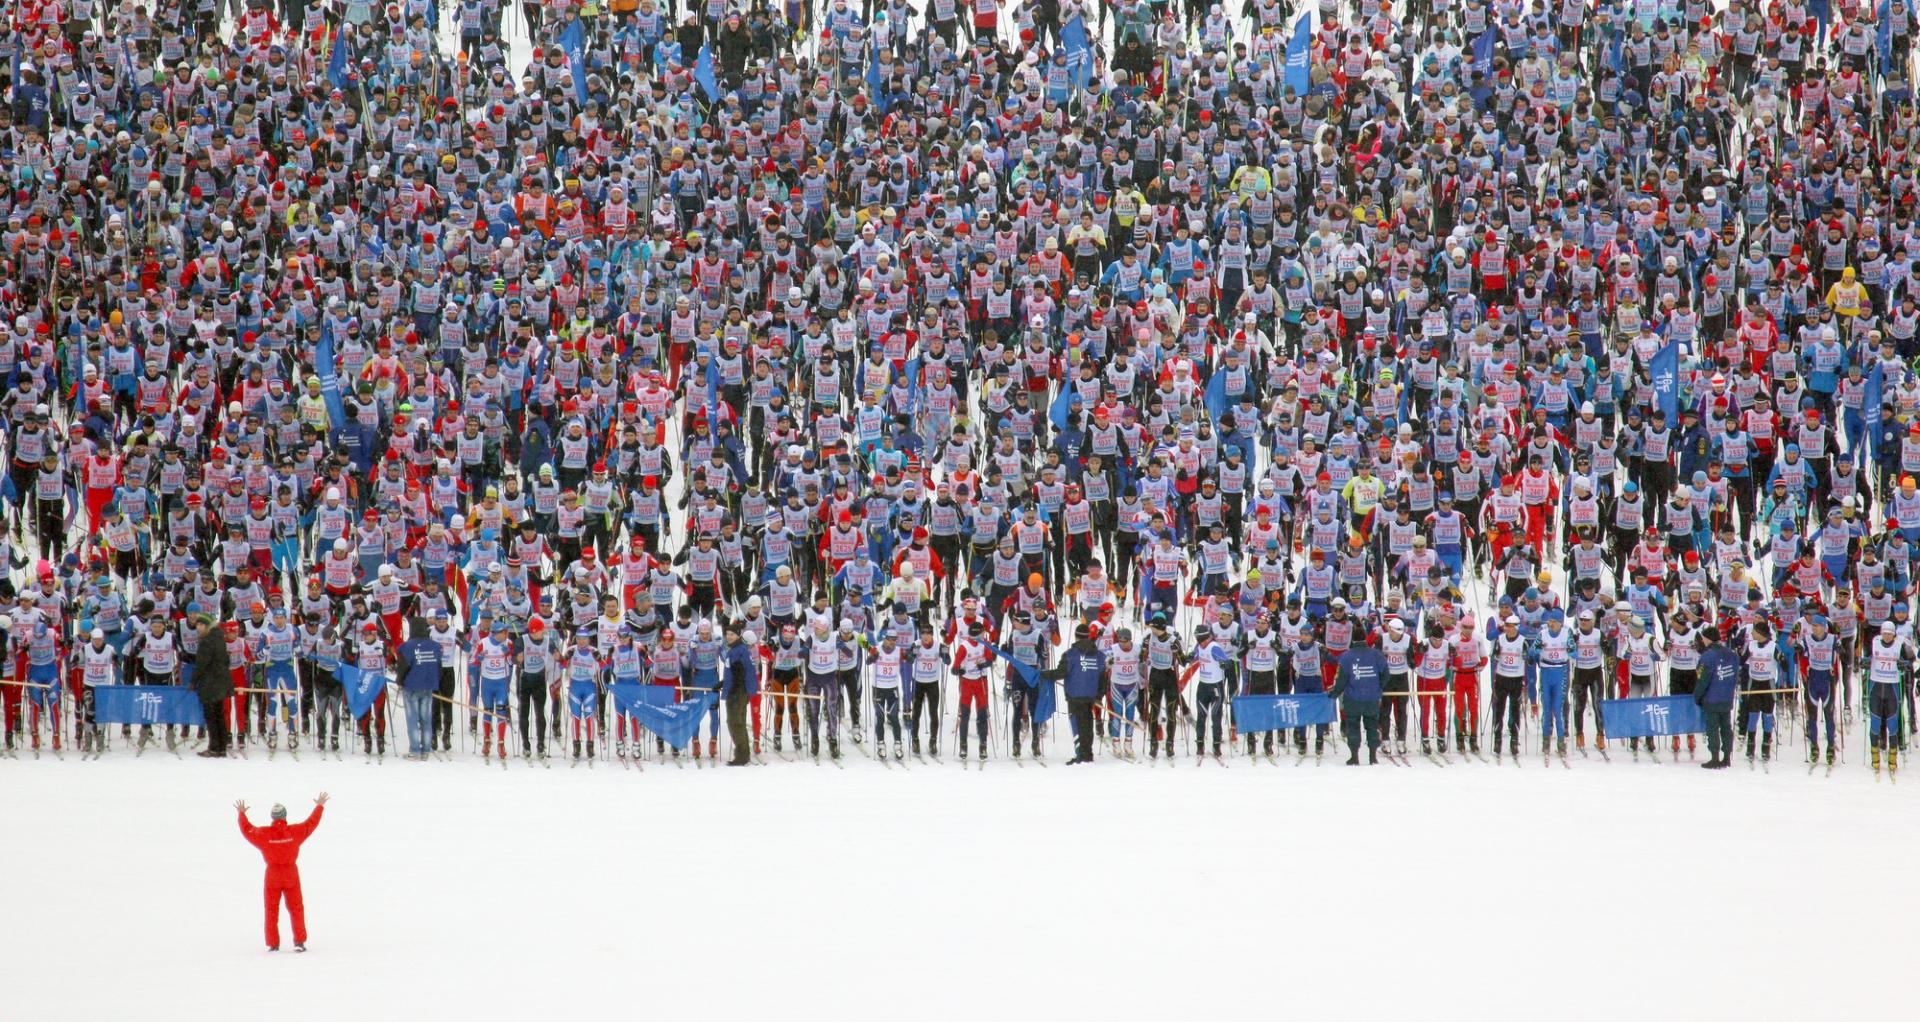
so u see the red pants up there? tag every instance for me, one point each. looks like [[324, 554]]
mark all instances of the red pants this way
[[295, 908], [1433, 704], [1537, 522], [1497, 544], [973, 692], [1466, 701], [97, 497]]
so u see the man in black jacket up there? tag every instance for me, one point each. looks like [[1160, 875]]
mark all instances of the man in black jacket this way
[[213, 682]]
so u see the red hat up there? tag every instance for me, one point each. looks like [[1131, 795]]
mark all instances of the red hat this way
[[1787, 589], [846, 517], [1507, 481], [920, 532]]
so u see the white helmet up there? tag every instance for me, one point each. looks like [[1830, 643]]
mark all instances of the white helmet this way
[[340, 546]]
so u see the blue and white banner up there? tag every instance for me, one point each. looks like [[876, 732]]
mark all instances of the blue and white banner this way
[[329, 382], [1644, 718], [147, 704], [1073, 39], [703, 73], [1664, 367], [654, 707], [573, 45], [1300, 55], [1276, 713], [363, 688], [1483, 53]]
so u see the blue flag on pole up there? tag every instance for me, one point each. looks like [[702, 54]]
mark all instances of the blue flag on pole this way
[[654, 707], [1883, 31], [573, 44], [1043, 704], [873, 78], [1644, 718], [1871, 400], [329, 381], [363, 688], [147, 704], [1483, 53], [1299, 54], [1073, 39], [703, 73], [1062, 404], [1216, 395], [337, 61], [1275, 713], [1665, 370]]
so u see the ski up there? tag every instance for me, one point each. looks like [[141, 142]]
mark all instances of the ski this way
[[884, 762], [1270, 761], [1217, 759], [1435, 760]]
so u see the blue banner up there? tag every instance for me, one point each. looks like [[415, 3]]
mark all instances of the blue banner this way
[[653, 706], [363, 688], [1062, 405], [703, 73], [873, 78], [1044, 703], [1215, 397], [1275, 713], [583, 698], [1299, 55], [147, 704], [1872, 398], [329, 381], [1644, 718], [1483, 53], [573, 45], [1664, 367], [337, 60], [1073, 39], [1883, 32]]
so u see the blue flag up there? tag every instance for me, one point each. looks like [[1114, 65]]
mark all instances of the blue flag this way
[[1617, 53], [1483, 53], [363, 688], [1883, 32], [1275, 713], [1871, 400], [1215, 397], [654, 707], [873, 78], [1043, 704], [583, 698], [1644, 718], [337, 61], [1073, 39], [1299, 54], [147, 704], [1027, 672], [1062, 404], [1664, 367], [329, 381], [703, 73], [573, 44]]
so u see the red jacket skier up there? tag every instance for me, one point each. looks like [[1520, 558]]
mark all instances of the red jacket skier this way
[[279, 843]]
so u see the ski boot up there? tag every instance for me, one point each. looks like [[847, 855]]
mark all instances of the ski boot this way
[[713, 748], [1876, 759], [1813, 753], [1426, 747], [899, 751], [1401, 746], [1373, 756], [1561, 745], [1440, 745], [1893, 758], [576, 749], [963, 753], [1496, 746], [1475, 742], [778, 743], [833, 747], [1545, 742], [1353, 758], [589, 748], [1830, 755]]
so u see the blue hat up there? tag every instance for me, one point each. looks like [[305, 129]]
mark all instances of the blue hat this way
[[1506, 601], [486, 535], [1793, 448], [1556, 615], [1531, 594]]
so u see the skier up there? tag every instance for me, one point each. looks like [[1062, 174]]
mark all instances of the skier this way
[[279, 843], [1886, 666]]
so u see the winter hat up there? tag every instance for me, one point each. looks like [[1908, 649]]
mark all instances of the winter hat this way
[[279, 811]]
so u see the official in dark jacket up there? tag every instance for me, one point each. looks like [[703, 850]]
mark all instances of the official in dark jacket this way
[[741, 682], [1084, 669], [1714, 692], [1363, 671], [213, 682]]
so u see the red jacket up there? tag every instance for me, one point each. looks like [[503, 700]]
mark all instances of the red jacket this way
[[279, 843]]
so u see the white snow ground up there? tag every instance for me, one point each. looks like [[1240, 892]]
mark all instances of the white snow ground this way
[[449, 891]]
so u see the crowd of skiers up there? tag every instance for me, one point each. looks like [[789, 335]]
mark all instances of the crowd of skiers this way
[[887, 365]]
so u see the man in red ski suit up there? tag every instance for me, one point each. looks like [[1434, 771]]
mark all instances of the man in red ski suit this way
[[279, 843]]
